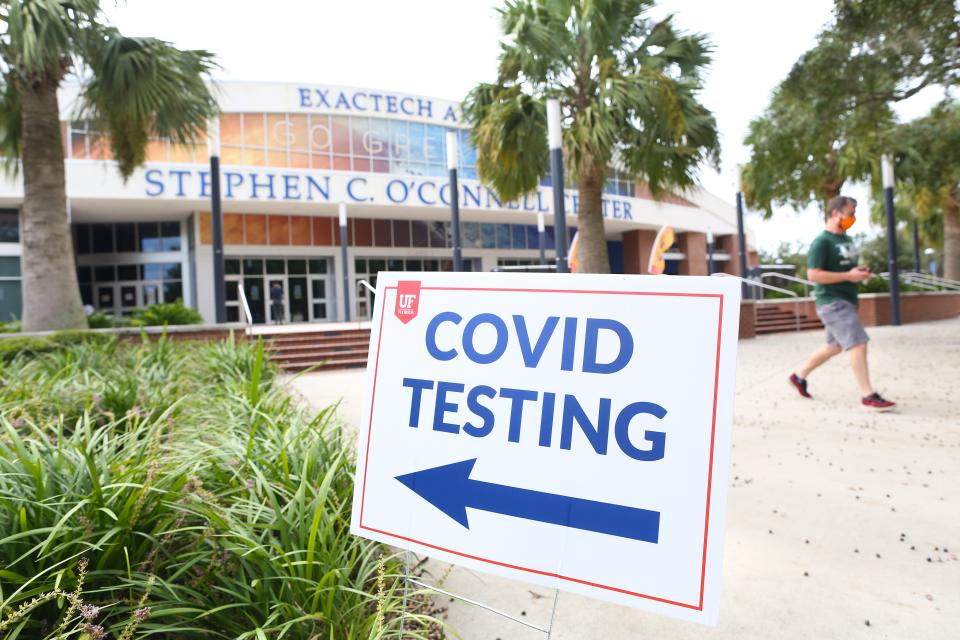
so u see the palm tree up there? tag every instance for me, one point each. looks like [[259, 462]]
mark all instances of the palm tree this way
[[628, 91], [131, 88]]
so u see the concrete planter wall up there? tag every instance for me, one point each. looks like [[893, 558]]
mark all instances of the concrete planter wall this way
[[874, 308]]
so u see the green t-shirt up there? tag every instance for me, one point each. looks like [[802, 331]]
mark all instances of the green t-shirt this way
[[833, 252]]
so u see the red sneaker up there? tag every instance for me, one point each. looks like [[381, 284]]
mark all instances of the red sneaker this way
[[800, 384], [875, 402]]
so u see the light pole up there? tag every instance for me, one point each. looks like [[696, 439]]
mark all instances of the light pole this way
[[916, 245], [710, 265], [555, 142], [542, 238], [216, 222], [454, 200], [343, 259], [741, 238], [886, 172]]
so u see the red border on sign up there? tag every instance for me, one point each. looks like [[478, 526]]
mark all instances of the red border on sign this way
[[713, 430]]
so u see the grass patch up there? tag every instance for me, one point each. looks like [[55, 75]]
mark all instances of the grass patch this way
[[204, 502]]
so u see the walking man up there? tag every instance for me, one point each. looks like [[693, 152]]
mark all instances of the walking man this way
[[832, 265]]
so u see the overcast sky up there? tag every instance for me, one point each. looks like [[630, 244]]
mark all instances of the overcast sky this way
[[442, 48]]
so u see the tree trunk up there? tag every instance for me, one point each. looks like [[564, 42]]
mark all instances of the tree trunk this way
[[591, 239], [951, 236], [51, 295]]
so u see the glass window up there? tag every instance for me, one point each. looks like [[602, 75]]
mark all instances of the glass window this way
[[399, 140], [171, 271], [172, 291], [170, 236], [420, 232], [550, 240], [84, 274], [360, 265], [126, 237], [10, 268], [533, 237], [275, 266], [416, 133], [9, 226], [376, 266], [519, 233], [102, 238], [82, 234], [151, 294], [251, 267], [149, 236], [414, 265], [86, 294], [104, 274], [439, 234], [233, 290], [319, 288], [233, 314], [434, 145], [231, 267], [488, 236], [471, 234], [318, 265], [431, 265], [401, 233], [253, 133], [127, 272], [341, 135], [297, 267], [503, 236], [152, 271], [394, 265]]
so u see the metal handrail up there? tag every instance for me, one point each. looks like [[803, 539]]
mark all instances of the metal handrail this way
[[244, 305], [926, 281], [806, 283], [944, 283], [754, 283]]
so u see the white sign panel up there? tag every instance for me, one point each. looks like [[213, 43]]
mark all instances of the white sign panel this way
[[565, 430]]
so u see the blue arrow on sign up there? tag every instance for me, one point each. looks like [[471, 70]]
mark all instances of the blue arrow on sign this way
[[450, 489]]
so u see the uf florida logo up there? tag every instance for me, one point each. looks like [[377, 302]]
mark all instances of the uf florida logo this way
[[408, 300]]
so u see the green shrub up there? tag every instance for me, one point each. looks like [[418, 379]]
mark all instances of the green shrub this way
[[182, 471], [10, 327], [100, 320], [172, 313]]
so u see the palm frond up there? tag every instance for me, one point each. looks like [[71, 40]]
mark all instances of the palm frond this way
[[11, 131], [144, 86]]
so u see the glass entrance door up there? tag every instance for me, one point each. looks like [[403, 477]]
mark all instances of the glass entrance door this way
[[305, 284], [297, 303]]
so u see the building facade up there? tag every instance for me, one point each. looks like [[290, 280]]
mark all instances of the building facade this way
[[290, 154]]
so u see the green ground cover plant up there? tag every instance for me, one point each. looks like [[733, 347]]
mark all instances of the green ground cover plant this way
[[176, 490]]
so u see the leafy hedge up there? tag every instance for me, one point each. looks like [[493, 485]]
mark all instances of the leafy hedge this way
[[204, 502]]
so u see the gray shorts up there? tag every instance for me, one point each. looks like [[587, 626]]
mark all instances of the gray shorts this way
[[842, 321]]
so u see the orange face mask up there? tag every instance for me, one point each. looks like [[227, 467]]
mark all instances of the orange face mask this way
[[847, 221]]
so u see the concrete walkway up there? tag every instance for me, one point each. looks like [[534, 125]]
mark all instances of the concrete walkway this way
[[841, 524]]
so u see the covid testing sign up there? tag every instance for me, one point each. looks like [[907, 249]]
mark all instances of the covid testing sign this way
[[571, 431]]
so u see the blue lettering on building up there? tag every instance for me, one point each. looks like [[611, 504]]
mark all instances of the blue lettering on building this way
[[270, 185]]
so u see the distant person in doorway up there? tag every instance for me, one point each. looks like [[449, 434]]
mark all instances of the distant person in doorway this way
[[832, 265], [276, 302]]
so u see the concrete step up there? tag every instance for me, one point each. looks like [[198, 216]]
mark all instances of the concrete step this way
[[319, 355], [325, 366], [340, 345]]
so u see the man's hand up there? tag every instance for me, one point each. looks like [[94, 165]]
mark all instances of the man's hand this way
[[859, 274]]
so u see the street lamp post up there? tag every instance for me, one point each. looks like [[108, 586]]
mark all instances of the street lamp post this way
[[454, 200], [710, 264], [343, 259], [886, 171], [555, 141], [916, 246], [741, 239], [542, 238], [216, 222]]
